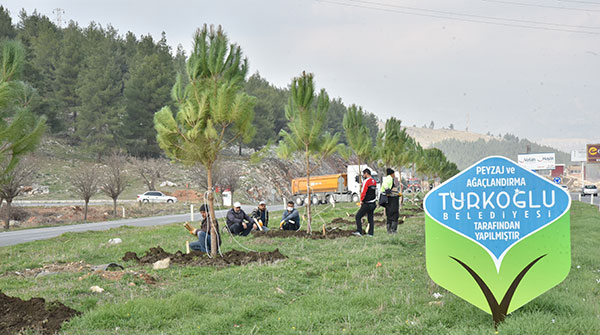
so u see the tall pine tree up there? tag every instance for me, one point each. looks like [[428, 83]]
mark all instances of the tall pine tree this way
[[7, 29], [67, 70], [147, 90], [100, 84]]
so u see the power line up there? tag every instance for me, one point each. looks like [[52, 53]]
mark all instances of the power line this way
[[474, 16], [388, 10], [541, 6], [581, 1]]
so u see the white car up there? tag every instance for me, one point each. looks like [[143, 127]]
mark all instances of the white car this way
[[155, 196], [589, 190]]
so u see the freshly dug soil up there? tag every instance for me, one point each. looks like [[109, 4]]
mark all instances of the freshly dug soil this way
[[378, 220], [233, 257], [17, 316], [316, 234]]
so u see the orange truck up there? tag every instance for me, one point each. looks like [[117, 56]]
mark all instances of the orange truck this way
[[340, 187]]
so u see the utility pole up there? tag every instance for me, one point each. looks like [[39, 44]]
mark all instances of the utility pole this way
[[59, 12]]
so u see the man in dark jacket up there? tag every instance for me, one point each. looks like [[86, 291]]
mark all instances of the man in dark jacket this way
[[260, 216], [203, 234], [238, 222], [368, 198], [389, 187], [290, 220]]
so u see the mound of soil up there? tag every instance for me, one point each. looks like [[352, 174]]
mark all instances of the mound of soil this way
[[35, 314], [342, 220], [316, 234], [233, 257]]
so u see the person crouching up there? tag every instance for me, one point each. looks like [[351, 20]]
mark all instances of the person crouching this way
[[204, 242], [260, 216], [238, 222], [290, 220]]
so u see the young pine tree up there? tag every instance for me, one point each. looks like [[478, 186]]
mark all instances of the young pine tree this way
[[307, 135], [212, 111], [358, 136]]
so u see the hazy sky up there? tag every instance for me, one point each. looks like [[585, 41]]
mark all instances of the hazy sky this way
[[418, 68]]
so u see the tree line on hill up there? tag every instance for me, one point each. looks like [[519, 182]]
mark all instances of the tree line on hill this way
[[100, 89], [465, 153]]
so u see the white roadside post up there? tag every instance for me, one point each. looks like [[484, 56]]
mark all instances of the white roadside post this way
[[592, 198], [191, 212], [582, 174], [123, 211]]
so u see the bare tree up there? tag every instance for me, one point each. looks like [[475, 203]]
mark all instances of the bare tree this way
[[86, 182], [198, 173], [12, 184], [115, 178], [151, 170], [227, 177]]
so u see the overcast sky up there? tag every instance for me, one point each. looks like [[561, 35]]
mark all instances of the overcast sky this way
[[499, 78]]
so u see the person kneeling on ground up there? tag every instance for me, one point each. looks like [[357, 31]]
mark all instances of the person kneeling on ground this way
[[204, 242], [260, 216], [368, 203], [238, 222], [291, 218]]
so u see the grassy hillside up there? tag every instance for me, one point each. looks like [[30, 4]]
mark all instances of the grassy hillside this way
[[325, 287], [269, 179]]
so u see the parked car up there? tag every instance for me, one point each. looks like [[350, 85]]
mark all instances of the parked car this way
[[155, 196], [589, 190]]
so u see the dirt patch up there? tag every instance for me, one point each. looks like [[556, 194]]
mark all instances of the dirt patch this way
[[80, 266], [197, 258], [118, 275], [316, 234], [188, 195], [35, 314], [51, 269]]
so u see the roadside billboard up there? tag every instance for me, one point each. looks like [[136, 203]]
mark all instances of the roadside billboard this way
[[541, 161], [578, 156], [593, 153]]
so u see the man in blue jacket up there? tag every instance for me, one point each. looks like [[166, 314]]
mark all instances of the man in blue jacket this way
[[291, 218], [238, 222]]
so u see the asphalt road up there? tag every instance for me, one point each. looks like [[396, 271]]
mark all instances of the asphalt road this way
[[27, 235], [587, 199], [55, 203]]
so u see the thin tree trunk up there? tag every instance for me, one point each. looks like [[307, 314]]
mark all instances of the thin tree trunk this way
[[115, 207], [308, 206], [214, 242], [8, 208], [85, 211], [359, 179], [240, 148]]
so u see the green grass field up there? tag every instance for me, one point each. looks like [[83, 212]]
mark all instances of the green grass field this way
[[325, 287]]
